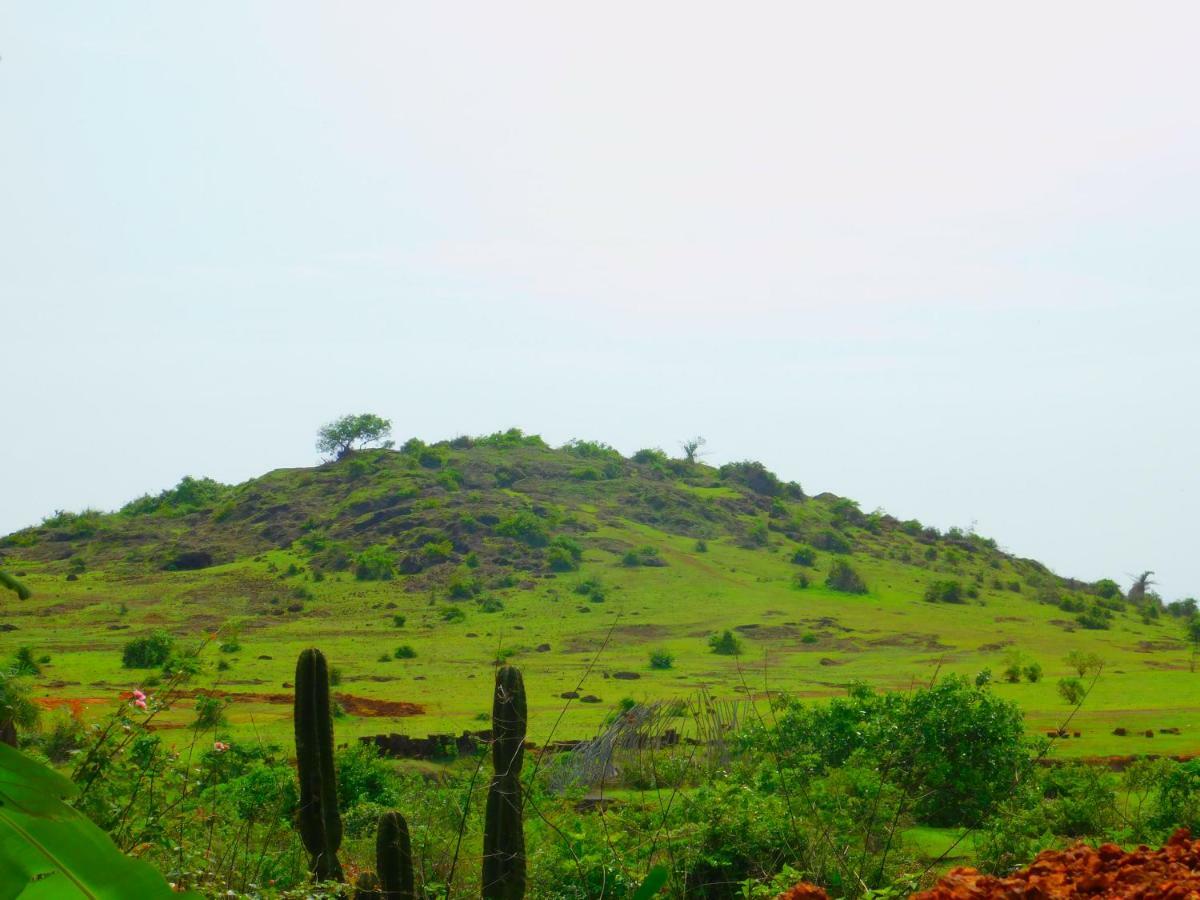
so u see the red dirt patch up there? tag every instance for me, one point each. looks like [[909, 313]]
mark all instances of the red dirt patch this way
[[74, 704], [1172, 873]]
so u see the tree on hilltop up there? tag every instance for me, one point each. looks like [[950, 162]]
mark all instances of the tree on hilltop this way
[[349, 433], [691, 448]]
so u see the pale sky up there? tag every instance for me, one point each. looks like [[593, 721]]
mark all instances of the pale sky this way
[[940, 258]]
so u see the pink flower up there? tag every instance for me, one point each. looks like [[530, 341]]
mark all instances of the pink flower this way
[[140, 704], [138, 695], [220, 746]]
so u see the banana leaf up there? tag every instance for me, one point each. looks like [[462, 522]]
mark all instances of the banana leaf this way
[[49, 851]]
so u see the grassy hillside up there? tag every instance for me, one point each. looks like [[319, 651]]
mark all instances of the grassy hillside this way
[[579, 564]]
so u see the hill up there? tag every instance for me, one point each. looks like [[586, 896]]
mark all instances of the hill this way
[[581, 565]]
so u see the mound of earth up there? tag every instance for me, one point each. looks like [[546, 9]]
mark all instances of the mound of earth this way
[[1172, 873]]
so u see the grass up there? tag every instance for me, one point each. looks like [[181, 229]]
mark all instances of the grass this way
[[299, 520]]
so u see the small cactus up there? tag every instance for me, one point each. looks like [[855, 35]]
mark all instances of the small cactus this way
[[317, 817], [393, 858], [504, 835]]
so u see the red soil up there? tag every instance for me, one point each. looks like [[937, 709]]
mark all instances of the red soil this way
[[1172, 873]]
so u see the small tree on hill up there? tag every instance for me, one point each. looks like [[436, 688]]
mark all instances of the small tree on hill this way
[[349, 433], [1192, 630], [691, 448]]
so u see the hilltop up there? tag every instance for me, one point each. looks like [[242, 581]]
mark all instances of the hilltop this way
[[578, 562]]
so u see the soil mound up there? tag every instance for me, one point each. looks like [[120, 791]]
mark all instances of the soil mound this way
[[1172, 873]]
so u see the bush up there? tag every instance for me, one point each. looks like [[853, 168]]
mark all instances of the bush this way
[[753, 475], [701, 545], [831, 541], [805, 556], [398, 620], [405, 651], [1072, 690], [210, 711], [661, 659], [525, 527], [453, 614], [376, 563], [1032, 672], [491, 605], [955, 747], [642, 556], [564, 554], [944, 592], [800, 581], [726, 644], [148, 652], [843, 578]]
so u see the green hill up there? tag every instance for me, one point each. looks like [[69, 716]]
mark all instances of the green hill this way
[[580, 564]]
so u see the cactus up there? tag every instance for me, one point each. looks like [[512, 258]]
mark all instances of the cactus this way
[[317, 817], [393, 858], [504, 836]]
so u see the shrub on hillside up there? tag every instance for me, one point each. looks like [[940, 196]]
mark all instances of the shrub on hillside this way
[[1072, 690], [148, 652], [1032, 672], [453, 614], [514, 437], [564, 554], [800, 581], [842, 577], [525, 527], [642, 556], [753, 475], [805, 556], [726, 644], [831, 541], [405, 651], [948, 591], [376, 563], [661, 659]]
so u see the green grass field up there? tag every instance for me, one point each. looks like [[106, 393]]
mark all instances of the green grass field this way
[[271, 539]]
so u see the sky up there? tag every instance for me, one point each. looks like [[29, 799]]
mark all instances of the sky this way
[[938, 257]]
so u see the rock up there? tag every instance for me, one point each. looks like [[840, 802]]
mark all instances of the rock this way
[[542, 648], [569, 695]]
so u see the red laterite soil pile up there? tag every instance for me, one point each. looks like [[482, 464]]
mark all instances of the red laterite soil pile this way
[[1172, 873]]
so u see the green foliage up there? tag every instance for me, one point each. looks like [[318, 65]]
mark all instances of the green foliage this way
[[1084, 663], [317, 818], [452, 614], [1072, 690], [564, 554], [210, 712], [661, 659], [14, 585], [804, 556], [831, 541], [48, 849], [948, 591], [955, 747], [525, 527], [343, 436], [753, 475], [842, 577], [405, 651], [1032, 672], [148, 652], [642, 556], [376, 563], [1108, 589], [189, 495], [725, 644]]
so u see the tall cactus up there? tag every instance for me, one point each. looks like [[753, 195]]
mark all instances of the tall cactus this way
[[504, 835], [393, 858], [317, 817]]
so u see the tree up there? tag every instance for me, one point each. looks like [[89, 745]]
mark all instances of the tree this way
[[349, 433], [1141, 584], [1083, 663], [1192, 630], [1072, 690], [691, 448]]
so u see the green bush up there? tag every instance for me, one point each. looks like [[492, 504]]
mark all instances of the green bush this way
[[398, 620], [661, 659], [1072, 690], [210, 712], [726, 644], [491, 605], [405, 651], [376, 563], [948, 591], [525, 527], [831, 541], [805, 556], [148, 652], [842, 577], [453, 614], [800, 581], [1032, 672]]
